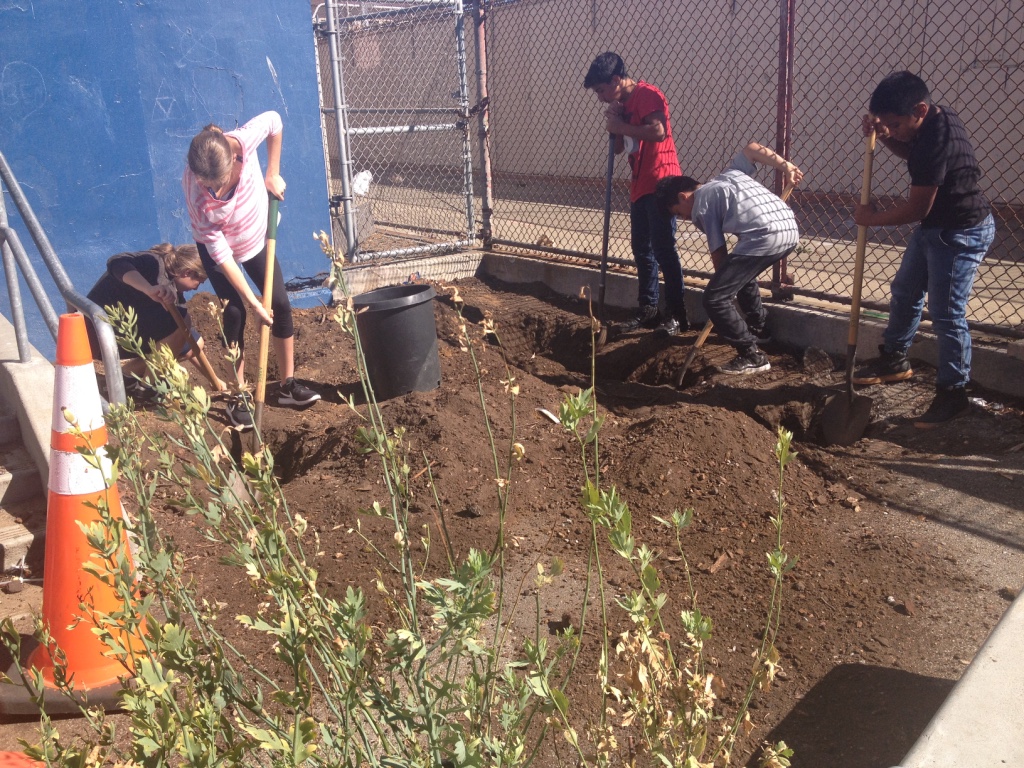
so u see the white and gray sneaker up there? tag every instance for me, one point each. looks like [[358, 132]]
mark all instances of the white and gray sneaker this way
[[754, 361], [291, 392]]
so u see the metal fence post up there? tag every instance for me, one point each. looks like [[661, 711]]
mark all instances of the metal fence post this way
[[784, 123], [483, 118], [341, 123], [467, 149]]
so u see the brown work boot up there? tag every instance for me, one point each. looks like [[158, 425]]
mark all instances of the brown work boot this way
[[885, 369]]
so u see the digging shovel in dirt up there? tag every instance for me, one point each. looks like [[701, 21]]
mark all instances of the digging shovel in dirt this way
[[847, 415], [706, 330], [201, 358], [602, 336], [252, 441]]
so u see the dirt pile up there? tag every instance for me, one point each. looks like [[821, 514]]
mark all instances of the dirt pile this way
[[880, 613]]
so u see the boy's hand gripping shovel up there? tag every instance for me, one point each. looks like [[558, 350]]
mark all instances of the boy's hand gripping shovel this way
[[847, 415]]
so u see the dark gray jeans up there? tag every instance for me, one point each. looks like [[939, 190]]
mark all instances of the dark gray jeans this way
[[736, 283]]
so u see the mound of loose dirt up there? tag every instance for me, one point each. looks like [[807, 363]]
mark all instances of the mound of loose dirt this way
[[881, 611]]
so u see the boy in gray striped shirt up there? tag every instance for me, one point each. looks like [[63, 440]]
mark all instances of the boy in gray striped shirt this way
[[733, 203]]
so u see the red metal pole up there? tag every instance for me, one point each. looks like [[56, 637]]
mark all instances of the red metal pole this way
[[784, 121], [484, 131]]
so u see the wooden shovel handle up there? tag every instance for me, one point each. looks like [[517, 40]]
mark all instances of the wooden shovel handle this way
[[862, 239], [204, 363], [268, 296]]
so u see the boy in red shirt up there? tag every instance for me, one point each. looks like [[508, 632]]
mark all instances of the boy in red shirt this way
[[638, 116]]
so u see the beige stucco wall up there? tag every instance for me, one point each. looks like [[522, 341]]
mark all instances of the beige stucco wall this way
[[717, 64]]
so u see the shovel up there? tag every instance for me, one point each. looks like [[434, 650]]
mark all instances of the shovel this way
[[268, 295], [847, 415], [602, 336], [706, 331], [204, 362]]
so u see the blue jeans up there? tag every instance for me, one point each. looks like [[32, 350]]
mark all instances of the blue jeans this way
[[735, 282], [940, 263], [653, 238]]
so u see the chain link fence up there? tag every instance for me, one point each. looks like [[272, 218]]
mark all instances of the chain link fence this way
[[396, 125], [795, 75]]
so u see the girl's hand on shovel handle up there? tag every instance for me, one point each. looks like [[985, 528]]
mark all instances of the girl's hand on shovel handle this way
[[266, 316], [275, 185]]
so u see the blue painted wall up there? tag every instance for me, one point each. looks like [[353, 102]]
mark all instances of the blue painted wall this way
[[98, 103]]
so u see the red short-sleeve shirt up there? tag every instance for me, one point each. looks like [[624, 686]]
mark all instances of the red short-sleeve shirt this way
[[653, 160]]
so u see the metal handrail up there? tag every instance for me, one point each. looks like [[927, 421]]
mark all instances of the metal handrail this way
[[14, 256]]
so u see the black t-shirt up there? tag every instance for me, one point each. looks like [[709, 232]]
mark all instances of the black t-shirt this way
[[109, 290], [941, 156]]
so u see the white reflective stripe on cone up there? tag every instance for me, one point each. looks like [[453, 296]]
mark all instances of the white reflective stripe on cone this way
[[74, 387], [71, 474]]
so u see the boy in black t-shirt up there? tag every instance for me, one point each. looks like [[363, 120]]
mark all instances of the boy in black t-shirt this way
[[944, 252]]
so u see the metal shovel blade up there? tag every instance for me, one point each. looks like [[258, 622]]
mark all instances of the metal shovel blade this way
[[845, 418], [847, 415]]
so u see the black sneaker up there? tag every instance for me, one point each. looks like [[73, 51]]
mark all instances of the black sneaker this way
[[138, 390], [744, 364], [291, 392], [240, 411], [646, 316], [947, 405], [671, 327], [885, 369]]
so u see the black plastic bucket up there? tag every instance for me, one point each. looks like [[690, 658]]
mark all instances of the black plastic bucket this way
[[399, 338]]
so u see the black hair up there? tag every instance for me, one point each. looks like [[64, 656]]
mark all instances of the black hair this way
[[666, 192], [604, 68], [898, 94]]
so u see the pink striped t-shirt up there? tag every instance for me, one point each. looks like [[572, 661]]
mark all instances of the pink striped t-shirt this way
[[235, 228]]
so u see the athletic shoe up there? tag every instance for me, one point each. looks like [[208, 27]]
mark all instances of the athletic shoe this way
[[139, 391], [744, 364], [947, 405], [671, 327], [291, 392], [646, 316], [240, 411], [886, 368]]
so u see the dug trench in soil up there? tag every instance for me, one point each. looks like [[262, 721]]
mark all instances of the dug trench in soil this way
[[883, 610]]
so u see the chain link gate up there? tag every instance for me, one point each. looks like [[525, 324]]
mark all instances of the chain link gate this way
[[795, 75], [396, 123]]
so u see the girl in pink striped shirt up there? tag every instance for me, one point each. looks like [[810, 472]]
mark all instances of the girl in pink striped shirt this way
[[225, 192]]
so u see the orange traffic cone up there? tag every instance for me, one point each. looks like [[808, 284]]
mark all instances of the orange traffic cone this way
[[71, 594], [17, 760]]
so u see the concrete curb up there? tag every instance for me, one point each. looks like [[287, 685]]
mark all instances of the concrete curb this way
[[799, 326], [979, 724]]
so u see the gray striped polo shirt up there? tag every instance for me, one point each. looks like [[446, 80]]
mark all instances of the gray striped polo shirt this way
[[734, 203]]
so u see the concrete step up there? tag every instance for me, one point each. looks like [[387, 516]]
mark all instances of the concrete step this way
[[10, 430], [22, 535], [19, 476]]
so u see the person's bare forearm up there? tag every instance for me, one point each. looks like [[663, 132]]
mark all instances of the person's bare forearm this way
[[234, 275], [160, 294], [899, 148], [275, 184], [762, 155]]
